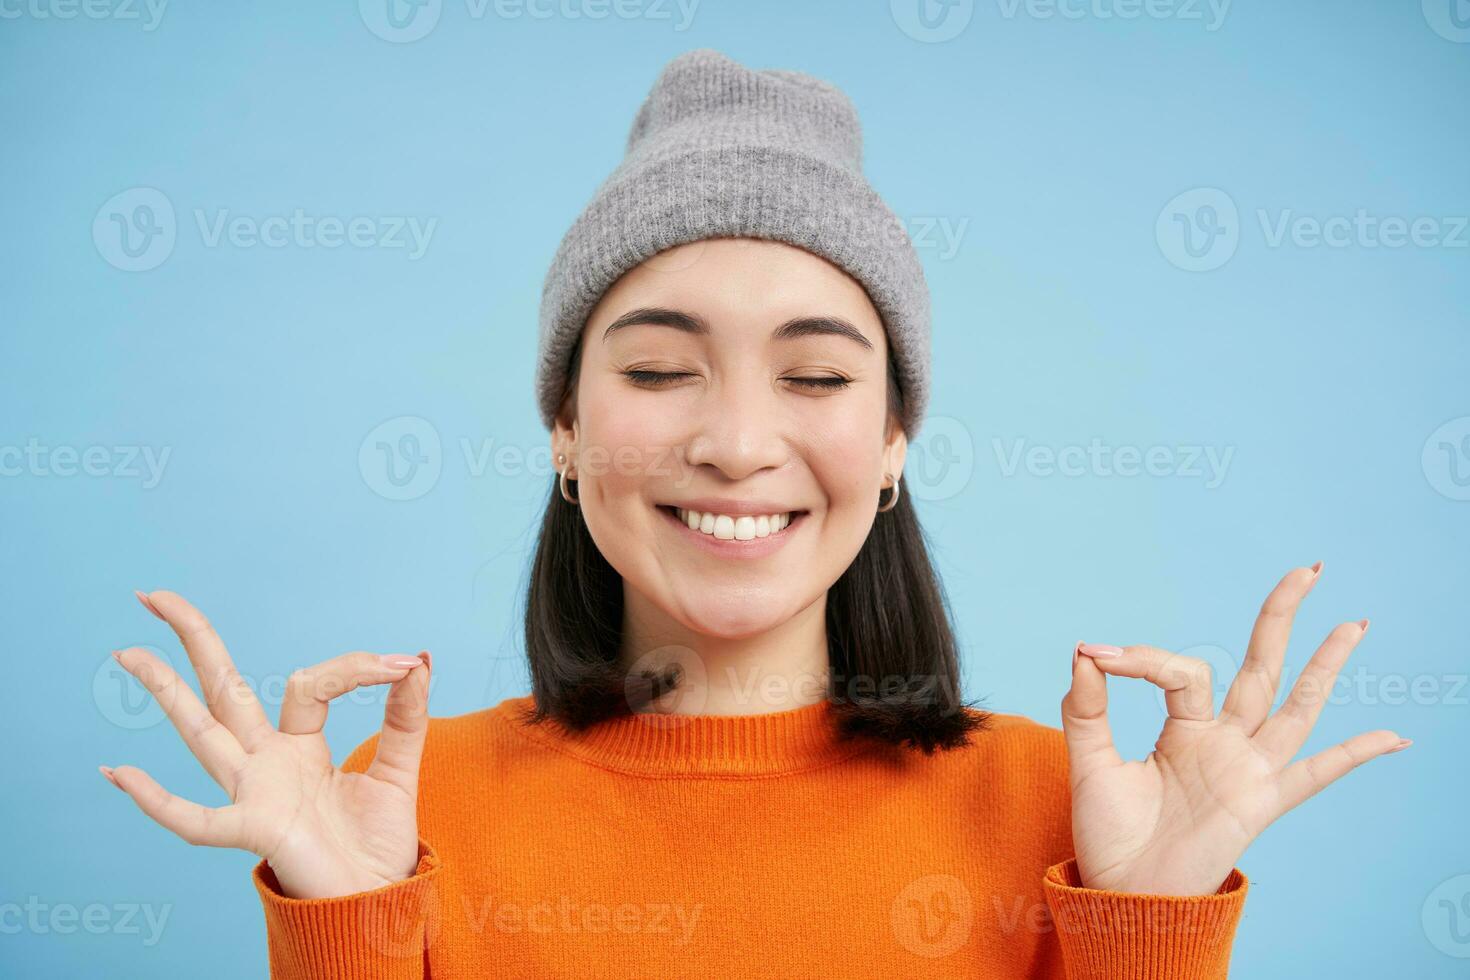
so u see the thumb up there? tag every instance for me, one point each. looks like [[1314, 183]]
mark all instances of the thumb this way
[[1085, 717], [405, 726]]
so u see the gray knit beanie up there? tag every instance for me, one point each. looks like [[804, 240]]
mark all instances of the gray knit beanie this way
[[721, 150]]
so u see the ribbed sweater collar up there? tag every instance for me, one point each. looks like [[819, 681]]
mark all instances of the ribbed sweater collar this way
[[730, 746]]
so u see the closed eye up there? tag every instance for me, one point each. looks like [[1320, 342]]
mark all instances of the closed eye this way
[[827, 383], [659, 379], [655, 379]]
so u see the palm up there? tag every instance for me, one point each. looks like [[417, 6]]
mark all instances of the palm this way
[[1177, 821], [1140, 821], [313, 820], [323, 830]]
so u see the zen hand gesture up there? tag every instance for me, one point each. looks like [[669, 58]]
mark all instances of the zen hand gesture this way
[[325, 832], [1177, 822]]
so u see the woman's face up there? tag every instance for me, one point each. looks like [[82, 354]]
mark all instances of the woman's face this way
[[743, 380]]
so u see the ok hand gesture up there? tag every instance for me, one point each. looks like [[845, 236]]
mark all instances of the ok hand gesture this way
[[1177, 822], [325, 832]]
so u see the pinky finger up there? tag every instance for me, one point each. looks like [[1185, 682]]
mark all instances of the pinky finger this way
[[1302, 780], [222, 827]]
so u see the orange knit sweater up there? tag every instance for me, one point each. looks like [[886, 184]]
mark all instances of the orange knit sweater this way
[[749, 846]]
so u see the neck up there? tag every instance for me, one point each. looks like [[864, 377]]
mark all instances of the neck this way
[[783, 668]]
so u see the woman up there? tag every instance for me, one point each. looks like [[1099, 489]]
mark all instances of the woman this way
[[745, 753]]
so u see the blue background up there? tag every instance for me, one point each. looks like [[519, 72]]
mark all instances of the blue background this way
[[1062, 316]]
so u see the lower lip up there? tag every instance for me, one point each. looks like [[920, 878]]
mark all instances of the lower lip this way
[[732, 548]]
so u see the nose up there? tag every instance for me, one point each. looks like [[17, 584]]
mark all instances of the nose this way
[[739, 428]]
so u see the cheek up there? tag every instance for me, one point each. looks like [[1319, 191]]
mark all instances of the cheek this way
[[622, 452], [846, 459]]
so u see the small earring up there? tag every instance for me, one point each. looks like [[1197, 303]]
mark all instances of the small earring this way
[[561, 480], [893, 502]]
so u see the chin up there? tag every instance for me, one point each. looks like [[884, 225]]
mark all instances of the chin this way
[[734, 619]]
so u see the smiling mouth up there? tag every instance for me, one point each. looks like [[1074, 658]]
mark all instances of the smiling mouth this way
[[734, 527]]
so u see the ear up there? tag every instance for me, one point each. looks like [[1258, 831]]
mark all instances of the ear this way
[[895, 450], [563, 439]]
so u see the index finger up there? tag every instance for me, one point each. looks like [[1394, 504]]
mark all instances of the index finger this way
[[1185, 681], [229, 698]]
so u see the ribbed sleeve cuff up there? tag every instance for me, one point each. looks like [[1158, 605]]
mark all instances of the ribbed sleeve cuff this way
[[1108, 935], [373, 934]]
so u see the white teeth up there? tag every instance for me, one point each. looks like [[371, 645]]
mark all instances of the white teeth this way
[[729, 528]]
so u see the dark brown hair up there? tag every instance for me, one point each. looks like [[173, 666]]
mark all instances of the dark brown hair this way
[[893, 661]]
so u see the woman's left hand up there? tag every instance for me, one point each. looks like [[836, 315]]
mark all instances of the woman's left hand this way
[[1177, 822]]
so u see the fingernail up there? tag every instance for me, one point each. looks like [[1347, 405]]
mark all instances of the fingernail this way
[[1404, 743], [148, 604], [428, 659], [399, 661], [1363, 623], [1317, 569], [1099, 650], [107, 771]]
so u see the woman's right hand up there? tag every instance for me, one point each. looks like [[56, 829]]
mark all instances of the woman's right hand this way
[[325, 832]]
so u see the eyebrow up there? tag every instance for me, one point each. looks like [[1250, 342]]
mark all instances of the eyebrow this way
[[803, 326]]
